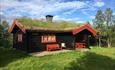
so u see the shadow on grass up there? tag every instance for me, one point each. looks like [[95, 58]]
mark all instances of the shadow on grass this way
[[92, 61], [9, 55]]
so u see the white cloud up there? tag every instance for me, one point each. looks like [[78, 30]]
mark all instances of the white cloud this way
[[85, 12], [73, 4], [92, 17], [90, 8], [1, 13], [38, 7], [69, 12], [65, 19], [91, 22], [99, 4], [76, 20], [80, 21], [113, 13]]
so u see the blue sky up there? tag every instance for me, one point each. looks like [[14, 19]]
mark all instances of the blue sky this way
[[69, 10]]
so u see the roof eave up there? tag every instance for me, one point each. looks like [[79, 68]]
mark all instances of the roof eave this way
[[83, 27], [16, 23]]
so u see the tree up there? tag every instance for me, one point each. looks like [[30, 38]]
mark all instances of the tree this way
[[5, 37], [1, 34], [113, 31], [108, 25], [104, 24], [98, 23]]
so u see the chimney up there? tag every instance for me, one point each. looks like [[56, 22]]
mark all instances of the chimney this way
[[49, 18]]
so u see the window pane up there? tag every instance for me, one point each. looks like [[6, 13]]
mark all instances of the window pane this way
[[48, 38], [19, 37]]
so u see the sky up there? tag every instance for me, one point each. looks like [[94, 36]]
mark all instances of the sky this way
[[79, 11]]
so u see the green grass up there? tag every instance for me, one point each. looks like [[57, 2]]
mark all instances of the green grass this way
[[94, 59]]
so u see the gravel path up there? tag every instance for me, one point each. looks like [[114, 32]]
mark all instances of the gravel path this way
[[43, 53], [48, 52]]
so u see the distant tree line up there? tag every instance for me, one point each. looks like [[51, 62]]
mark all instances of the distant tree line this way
[[5, 37], [104, 23]]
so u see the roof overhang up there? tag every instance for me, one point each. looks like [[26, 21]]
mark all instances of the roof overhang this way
[[19, 25], [83, 27]]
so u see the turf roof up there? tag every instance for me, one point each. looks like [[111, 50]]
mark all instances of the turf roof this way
[[32, 23]]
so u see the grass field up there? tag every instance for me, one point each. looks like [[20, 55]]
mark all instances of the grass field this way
[[94, 59]]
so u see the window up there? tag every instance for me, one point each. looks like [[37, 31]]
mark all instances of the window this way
[[48, 38], [19, 37]]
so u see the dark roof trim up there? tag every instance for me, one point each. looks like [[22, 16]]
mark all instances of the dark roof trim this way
[[52, 31]]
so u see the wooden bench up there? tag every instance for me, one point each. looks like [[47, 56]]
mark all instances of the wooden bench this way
[[53, 47], [80, 45]]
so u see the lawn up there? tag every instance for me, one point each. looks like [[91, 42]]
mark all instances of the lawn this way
[[94, 59]]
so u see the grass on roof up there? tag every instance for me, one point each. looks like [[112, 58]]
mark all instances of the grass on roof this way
[[29, 23]]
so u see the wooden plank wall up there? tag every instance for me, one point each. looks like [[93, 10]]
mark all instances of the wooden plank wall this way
[[66, 38]]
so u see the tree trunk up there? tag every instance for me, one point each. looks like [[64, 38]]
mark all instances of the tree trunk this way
[[108, 43], [99, 42]]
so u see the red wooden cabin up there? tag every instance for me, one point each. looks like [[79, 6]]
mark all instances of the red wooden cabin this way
[[34, 38]]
